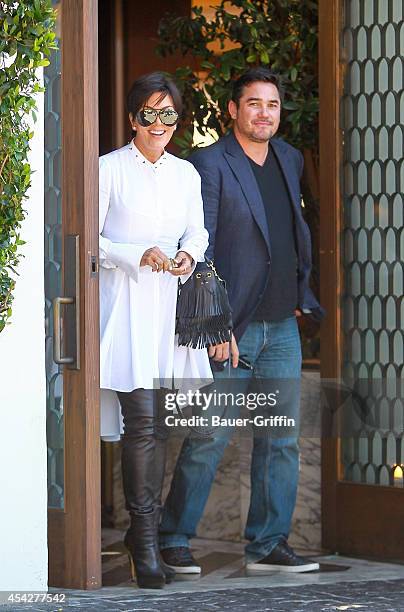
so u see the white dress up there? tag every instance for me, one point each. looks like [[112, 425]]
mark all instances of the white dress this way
[[143, 205]]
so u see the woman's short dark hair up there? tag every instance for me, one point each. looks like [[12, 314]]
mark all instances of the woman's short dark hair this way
[[148, 84], [254, 75]]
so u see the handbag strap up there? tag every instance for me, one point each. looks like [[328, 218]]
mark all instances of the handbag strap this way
[[212, 266]]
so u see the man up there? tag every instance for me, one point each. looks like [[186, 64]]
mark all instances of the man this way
[[261, 247]]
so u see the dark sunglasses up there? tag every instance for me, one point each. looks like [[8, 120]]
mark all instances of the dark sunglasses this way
[[147, 116]]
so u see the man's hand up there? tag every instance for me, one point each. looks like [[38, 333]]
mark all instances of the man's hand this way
[[221, 352], [184, 263], [155, 258], [298, 313]]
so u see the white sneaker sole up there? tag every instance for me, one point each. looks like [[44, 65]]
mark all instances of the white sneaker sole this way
[[189, 569], [292, 569]]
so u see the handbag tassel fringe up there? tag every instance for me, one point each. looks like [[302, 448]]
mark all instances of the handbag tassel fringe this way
[[204, 316]]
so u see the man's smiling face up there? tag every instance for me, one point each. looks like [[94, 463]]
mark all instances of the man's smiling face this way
[[257, 115]]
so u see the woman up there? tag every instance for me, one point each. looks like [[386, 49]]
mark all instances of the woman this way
[[151, 234]]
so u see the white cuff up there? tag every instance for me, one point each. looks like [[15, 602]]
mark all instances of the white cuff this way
[[124, 256]]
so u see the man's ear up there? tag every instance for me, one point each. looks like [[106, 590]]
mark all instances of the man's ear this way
[[232, 108]]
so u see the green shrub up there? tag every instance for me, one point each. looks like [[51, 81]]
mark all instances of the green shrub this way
[[26, 39], [280, 34]]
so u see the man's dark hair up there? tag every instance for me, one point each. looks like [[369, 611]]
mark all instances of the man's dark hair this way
[[254, 75], [148, 84]]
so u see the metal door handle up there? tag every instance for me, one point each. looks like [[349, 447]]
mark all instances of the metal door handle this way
[[57, 335], [71, 320]]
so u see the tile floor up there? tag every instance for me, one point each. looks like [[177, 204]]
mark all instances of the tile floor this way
[[223, 567], [341, 584]]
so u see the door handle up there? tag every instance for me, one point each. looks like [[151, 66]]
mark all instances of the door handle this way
[[71, 320], [57, 334]]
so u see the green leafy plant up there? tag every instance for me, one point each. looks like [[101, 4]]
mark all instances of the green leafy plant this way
[[26, 40], [279, 34]]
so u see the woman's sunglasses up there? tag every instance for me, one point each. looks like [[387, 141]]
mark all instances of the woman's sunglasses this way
[[147, 116]]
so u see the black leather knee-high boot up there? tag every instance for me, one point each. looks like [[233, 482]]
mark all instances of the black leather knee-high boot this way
[[139, 475]]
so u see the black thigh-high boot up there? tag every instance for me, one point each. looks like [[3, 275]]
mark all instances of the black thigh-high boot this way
[[139, 475]]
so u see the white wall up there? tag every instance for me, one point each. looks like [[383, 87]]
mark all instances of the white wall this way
[[23, 466]]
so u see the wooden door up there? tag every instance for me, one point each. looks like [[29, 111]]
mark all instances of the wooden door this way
[[362, 271], [71, 273]]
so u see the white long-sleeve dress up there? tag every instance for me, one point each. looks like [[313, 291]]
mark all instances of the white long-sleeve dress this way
[[142, 205]]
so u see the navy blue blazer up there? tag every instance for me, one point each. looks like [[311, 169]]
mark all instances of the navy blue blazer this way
[[237, 224]]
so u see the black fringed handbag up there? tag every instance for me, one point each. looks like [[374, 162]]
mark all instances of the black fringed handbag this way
[[204, 316]]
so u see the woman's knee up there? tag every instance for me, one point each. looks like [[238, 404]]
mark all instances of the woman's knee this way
[[138, 427]]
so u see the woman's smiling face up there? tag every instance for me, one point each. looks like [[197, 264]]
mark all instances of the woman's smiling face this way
[[152, 140]]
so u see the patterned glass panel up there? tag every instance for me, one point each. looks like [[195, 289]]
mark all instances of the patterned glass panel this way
[[53, 278], [373, 241]]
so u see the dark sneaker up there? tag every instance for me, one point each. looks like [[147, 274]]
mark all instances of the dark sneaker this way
[[180, 559], [283, 559]]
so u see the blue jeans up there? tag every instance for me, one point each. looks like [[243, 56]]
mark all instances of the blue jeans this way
[[273, 349]]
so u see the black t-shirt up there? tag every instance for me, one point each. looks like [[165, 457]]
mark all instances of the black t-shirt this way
[[280, 297]]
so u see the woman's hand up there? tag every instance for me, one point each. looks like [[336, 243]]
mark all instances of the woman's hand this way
[[221, 352], [156, 259], [184, 263]]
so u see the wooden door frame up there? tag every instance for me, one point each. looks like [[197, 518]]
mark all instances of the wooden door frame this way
[[74, 533], [330, 86], [357, 519]]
